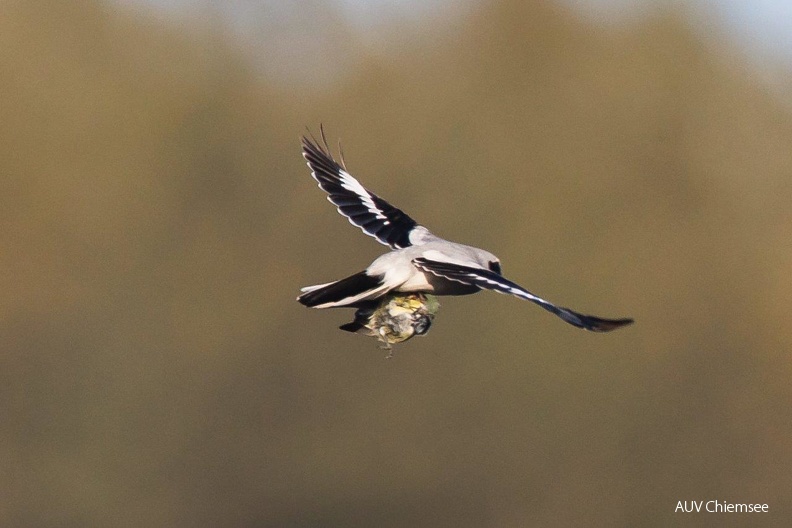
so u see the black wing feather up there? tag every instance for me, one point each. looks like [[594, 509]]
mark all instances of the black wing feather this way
[[491, 280], [363, 208]]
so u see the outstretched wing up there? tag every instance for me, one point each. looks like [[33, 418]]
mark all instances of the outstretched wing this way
[[490, 280], [363, 208]]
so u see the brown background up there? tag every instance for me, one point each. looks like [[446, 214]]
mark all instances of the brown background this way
[[158, 220]]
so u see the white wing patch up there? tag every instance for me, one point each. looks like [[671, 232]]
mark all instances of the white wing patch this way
[[351, 184]]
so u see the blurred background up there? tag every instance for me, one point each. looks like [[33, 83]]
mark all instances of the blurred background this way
[[623, 158]]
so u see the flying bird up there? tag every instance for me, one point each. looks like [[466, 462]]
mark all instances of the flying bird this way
[[419, 261]]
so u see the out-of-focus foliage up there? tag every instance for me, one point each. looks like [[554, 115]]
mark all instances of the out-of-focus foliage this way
[[158, 221]]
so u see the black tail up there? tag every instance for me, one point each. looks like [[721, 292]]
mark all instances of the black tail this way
[[340, 290]]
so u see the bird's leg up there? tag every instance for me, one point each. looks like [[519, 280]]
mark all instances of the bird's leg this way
[[387, 346], [385, 343]]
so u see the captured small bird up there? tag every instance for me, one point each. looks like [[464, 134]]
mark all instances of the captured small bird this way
[[395, 318], [419, 261]]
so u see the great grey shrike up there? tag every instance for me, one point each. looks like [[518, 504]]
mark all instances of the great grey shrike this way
[[419, 261]]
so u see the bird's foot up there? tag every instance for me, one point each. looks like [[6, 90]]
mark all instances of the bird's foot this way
[[385, 343]]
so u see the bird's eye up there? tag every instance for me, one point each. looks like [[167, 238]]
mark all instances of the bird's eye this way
[[495, 266]]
